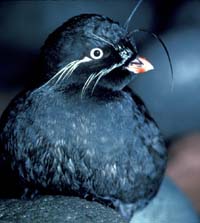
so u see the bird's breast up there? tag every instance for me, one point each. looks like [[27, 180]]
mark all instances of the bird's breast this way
[[105, 127]]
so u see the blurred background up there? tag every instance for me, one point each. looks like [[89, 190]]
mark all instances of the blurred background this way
[[174, 102]]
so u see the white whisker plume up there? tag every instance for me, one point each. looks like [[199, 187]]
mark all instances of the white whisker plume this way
[[74, 66], [87, 83], [67, 69], [63, 73], [103, 73]]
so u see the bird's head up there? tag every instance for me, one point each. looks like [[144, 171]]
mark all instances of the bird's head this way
[[91, 50]]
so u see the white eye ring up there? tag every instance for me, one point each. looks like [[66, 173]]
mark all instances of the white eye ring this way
[[96, 53]]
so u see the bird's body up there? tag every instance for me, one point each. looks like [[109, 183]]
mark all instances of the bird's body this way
[[61, 138]]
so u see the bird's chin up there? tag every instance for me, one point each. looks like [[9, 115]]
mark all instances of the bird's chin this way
[[117, 79]]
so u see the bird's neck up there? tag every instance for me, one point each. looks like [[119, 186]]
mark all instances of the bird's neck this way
[[99, 93]]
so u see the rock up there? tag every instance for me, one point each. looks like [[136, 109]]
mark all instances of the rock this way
[[56, 209], [169, 206]]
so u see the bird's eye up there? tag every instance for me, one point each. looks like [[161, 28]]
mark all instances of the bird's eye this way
[[96, 53]]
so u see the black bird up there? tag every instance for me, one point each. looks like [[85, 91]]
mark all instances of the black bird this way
[[81, 131]]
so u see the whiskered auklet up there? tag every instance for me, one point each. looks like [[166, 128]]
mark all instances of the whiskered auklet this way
[[81, 131]]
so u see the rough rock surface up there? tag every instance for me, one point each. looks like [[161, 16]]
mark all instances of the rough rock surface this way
[[170, 205], [56, 209]]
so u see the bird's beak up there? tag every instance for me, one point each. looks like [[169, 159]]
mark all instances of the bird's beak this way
[[139, 65]]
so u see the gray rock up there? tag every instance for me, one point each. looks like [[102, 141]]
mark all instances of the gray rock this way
[[169, 206], [56, 209]]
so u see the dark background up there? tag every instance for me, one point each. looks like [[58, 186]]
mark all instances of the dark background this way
[[24, 26]]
